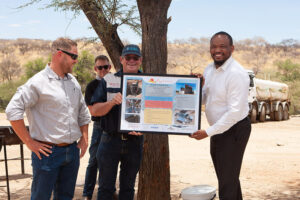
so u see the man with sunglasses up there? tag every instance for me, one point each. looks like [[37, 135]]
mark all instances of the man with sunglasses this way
[[115, 147], [58, 122], [102, 67]]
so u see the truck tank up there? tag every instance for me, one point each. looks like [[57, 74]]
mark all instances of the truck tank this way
[[271, 91]]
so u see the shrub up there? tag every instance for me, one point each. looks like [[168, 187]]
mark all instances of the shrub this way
[[34, 66], [9, 68], [289, 72], [83, 70], [7, 90]]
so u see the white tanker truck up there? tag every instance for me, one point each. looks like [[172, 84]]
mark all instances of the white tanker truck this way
[[268, 98]]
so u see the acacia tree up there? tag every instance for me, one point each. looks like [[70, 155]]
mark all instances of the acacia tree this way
[[257, 52], [83, 69], [191, 58], [9, 68], [105, 17]]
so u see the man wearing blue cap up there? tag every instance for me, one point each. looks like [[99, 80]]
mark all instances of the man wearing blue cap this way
[[115, 147]]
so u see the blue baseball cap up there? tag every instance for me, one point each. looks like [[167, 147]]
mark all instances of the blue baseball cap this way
[[131, 49]]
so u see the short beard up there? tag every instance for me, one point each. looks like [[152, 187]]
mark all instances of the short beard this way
[[219, 63]]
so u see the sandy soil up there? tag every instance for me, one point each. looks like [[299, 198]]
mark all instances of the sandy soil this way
[[271, 167]]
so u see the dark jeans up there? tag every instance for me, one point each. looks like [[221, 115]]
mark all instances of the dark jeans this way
[[112, 150], [227, 150], [92, 168], [57, 173]]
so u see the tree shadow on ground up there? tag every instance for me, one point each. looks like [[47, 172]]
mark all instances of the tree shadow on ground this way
[[291, 192], [79, 190], [21, 194], [15, 177]]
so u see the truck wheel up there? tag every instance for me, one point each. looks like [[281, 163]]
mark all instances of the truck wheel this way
[[262, 114], [286, 115], [253, 114], [279, 113], [272, 116]]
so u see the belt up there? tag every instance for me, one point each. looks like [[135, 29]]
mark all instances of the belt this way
[[52, 144], [123, 136]]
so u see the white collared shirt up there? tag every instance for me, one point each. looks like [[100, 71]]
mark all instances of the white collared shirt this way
[[225, 95], [54, 106]]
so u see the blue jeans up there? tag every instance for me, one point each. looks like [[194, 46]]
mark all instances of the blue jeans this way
[[112, 150], [57, 173], [92, 168]]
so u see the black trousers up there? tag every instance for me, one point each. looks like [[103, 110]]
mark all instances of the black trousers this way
[[227, 150]]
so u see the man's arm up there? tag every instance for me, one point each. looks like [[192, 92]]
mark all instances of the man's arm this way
[[83, 142], [101, 109], [33, 145]]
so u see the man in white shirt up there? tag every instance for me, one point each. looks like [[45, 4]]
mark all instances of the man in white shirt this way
[[225, 95]]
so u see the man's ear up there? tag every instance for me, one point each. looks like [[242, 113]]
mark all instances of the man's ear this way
[[58, 53], [232, 48]]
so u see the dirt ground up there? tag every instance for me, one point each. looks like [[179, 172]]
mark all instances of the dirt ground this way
[[271, 166]]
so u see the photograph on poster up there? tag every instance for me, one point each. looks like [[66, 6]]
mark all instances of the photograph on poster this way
[[133, 105], [134, 88], [132, 118], [185, 88], [184, 117]]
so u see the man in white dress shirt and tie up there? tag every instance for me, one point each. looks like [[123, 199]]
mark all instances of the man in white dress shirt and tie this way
[[225, 95]]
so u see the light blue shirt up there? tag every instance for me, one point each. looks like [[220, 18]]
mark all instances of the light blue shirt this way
[[54, 106]]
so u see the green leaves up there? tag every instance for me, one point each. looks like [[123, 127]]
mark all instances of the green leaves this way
[[288, 71], [34, 66], [83, 70]]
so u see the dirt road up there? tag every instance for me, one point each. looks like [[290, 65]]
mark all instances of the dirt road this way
[[271, 167]]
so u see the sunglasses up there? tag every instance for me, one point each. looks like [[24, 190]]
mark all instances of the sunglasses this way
[[72, 55], [135, 58], [103, 66]]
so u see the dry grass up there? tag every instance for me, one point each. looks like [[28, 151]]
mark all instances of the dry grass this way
[[182, 57]]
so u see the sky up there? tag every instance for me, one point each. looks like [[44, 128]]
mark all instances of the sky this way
[[273, 20]]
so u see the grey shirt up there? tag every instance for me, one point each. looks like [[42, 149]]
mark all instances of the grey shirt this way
[[54, 106]]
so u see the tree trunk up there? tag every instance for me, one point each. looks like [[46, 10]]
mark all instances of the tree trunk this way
[[154, 176], [106, 31]]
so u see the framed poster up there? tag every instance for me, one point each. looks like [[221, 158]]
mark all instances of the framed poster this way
[[168, 104]]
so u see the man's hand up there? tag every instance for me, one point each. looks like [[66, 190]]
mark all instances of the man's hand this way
[[82, 145], [117, 100], [39, 148], [135, 133], [200, 76], [199, 135], [100, 109], [36, 147]]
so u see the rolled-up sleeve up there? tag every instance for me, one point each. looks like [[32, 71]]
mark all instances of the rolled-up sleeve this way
[[25, 97]]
